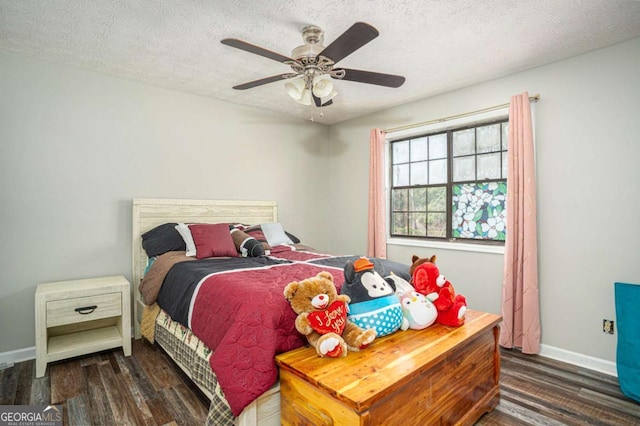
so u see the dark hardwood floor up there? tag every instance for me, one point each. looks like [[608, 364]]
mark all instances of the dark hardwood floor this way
[[108, 388], [539, 391], [148, 389]]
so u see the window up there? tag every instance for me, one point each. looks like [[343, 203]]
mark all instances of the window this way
[[451, 184]]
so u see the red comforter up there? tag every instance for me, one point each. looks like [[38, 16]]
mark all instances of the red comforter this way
[[245, 316]]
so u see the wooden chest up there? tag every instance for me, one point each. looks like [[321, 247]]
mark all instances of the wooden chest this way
[[440, 375]]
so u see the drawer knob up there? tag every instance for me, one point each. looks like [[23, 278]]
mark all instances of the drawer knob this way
[[86, 309]]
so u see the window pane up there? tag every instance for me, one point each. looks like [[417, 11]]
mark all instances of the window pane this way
[[399, 224], [401, 175], [399, 199], [479, 211], [419, 173], [464, 142], [464, 168], [419, 149], [504, 165], [400, 152], [418, 199], [489, 138], [436, 225], [438, 146], [418, 224], [437, 199], [489, 166], [505, 135], [438, 171]]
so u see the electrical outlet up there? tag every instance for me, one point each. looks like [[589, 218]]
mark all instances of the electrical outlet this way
[[607, 326]]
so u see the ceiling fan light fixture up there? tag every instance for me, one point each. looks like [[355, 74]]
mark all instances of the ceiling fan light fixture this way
[[295, 88], [322, 85], [305, 99]]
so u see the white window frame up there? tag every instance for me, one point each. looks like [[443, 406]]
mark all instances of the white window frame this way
[[469, 120]]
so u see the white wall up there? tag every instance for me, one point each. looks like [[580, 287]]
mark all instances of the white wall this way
[[588, 153], [76, 147]]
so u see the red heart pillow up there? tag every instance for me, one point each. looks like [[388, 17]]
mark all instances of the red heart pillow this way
[[331, 320]]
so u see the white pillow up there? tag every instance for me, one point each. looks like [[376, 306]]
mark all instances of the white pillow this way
[[274, 233], [185, 233]]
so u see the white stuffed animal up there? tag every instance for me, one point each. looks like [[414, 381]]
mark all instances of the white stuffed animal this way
[[418, 312]]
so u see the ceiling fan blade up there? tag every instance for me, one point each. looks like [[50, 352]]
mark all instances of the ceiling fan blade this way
[[319, 103], [252, 48], [388, 80], [351, 40], [260, 82]]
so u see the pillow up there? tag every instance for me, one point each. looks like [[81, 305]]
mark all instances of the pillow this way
[[212, 240], [246, 244], [256, 232], [274, 233], [185, 234], [161, 239]]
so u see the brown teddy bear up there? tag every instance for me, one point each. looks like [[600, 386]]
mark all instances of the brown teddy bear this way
[[322, 317]]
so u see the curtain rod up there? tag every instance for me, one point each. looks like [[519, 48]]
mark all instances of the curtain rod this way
[[533, 98]]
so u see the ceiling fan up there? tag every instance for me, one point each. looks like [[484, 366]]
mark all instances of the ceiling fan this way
[[314, 65]]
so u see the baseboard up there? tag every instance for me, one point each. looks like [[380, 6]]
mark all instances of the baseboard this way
[[574, 358], [9, 358]]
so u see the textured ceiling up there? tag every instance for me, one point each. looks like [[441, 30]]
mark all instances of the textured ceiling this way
[[437, 45]]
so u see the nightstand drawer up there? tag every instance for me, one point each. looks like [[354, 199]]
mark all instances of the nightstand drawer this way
[[81, 309]]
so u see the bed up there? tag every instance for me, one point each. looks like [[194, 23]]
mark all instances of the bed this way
[[221, 346]]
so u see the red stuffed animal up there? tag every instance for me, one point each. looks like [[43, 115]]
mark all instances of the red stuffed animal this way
[[426, 279]]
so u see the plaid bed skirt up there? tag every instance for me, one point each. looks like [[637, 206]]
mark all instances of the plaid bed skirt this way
[[183, 346]]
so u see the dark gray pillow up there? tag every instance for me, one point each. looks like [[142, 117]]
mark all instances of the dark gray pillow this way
[[161, 239]]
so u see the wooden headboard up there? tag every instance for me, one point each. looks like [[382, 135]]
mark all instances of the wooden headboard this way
[[149, 213]]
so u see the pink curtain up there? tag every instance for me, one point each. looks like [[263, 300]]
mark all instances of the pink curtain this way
[[520, 304], [376, 241]]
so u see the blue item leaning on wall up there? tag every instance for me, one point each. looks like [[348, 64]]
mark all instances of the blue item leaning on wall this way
[[628, 349]]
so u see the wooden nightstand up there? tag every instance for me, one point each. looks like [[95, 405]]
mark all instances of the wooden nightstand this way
[[81, 316]]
